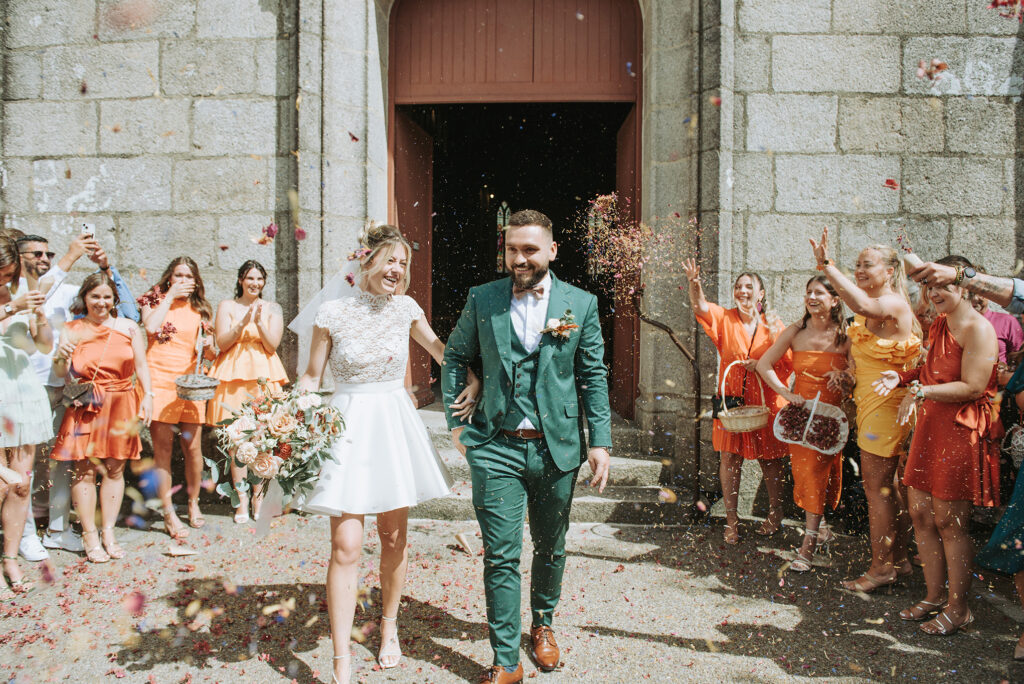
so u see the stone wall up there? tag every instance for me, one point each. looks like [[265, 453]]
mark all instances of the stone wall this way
[[827, 107], [169, 124]]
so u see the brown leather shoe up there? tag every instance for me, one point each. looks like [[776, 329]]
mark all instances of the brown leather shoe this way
[[545, 650], [497, 675]]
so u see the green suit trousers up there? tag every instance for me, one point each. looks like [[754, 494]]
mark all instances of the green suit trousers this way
[[510, 478]]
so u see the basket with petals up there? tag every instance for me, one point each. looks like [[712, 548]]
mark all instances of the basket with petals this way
[[196, 386], [744, 418], [815, 425]]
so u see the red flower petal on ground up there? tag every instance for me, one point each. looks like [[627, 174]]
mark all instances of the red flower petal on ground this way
[[891, 184]]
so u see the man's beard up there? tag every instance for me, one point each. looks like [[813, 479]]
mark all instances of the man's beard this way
[[34, 272], [529, 279]]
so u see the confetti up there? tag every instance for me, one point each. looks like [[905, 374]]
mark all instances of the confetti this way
[[891, 184]]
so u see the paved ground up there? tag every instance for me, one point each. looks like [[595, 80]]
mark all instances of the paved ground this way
[[661, 604]]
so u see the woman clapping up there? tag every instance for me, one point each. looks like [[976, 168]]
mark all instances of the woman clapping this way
[[100, 430], [248, 330], [885, 335], [953, 463]]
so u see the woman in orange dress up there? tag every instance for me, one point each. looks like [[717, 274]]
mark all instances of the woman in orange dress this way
[[175, 313], [954, 460], [885, 335], [743, 334], [248, 330], [819, 346], [108, 352]]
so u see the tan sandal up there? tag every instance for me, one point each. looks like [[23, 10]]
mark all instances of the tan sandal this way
[[390, 649], [921, 610], [867, 583], [731, 535], [94, 552], [941, 625], [112, 548]]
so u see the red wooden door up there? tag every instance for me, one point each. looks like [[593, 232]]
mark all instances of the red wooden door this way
[[626, 333], [414, 189]]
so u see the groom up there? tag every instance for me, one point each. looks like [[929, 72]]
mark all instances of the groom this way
[[525, 443]]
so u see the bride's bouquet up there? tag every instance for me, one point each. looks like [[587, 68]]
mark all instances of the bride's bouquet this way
[[282, 436]]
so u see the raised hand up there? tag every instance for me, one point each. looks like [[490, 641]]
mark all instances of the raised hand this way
[[99, 257], [181, 290], [886, 383], [820, 249], [30, 300], [692, 270]]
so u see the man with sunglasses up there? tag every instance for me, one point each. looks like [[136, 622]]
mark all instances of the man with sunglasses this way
[[40, 274]]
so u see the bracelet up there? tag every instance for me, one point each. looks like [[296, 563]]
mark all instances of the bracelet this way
[[959, 275], [824, 264], [917, 390]]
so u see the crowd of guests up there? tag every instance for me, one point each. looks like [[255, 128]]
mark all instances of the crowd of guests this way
[[923, 375], [84, 368]]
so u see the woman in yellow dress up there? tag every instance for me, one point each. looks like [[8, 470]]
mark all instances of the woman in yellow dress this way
[[885, 335], [248, 331], [176, 315]]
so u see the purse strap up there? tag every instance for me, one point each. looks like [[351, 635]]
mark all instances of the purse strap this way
[[103, 354]]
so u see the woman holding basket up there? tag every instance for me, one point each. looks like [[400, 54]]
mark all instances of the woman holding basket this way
[[177, 319], [819, 346], [742, 335]]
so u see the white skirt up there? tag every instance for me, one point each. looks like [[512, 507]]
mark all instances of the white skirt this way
[[385, 460]]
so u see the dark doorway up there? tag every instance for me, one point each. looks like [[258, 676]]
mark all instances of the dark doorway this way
[[551, 157]]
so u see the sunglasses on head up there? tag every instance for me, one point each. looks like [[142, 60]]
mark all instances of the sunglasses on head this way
[[38, 254]]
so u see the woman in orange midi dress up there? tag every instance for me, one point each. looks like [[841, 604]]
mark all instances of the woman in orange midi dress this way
[[885, 335], [954, 456], [108, 352], [248, 330], [743, 334], [819, 346], [175, 313]]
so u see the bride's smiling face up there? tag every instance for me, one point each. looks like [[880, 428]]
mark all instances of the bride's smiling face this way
[[388, 277]]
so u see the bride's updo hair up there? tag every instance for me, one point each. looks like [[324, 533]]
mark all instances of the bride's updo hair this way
[[382, 241]]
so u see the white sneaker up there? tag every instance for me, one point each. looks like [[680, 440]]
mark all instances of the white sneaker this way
[[31, 549], [67, 540]]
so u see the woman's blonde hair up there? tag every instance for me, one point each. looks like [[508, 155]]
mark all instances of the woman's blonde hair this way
[[382, 241], [891, 258]]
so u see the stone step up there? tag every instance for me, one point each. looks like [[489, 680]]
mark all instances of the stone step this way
[[617, 504]]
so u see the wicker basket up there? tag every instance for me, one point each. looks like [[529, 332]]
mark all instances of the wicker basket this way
[[196, 386], [744, 418], [818, 408]]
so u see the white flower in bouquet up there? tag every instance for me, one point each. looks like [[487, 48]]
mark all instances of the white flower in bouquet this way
[[281, 424], [266, 465], [553, 323], [246, 453], [236, 430], [308, 400]]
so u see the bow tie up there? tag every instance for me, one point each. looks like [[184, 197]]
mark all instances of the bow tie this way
[[537, 291]]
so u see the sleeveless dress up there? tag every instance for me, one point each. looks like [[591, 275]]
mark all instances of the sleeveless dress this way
[[878, 431], [168, 360], [731, 339], [107, 433], [385, 459], [954, 455], [25, 416], [238, 368], [817, 478]]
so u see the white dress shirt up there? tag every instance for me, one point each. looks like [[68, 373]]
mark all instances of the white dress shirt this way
[[529, 316], [57, 307]]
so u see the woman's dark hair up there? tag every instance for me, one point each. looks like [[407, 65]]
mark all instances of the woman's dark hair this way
[[837, 313], [9, 255], [198, 297], [244, 271], [90, 283]]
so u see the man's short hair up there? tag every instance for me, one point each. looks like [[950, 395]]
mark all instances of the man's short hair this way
[[955, 260], [530, 217], [30, 238]]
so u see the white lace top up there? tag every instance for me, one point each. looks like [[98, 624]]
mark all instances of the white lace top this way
[[369, 336]]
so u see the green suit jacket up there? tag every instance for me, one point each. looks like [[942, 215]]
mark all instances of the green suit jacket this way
[[570, 371]]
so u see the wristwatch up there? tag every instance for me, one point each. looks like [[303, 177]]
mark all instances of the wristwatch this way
[[9, 309], [969, 272]]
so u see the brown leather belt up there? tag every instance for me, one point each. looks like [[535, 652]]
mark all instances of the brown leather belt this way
[[523, 434]]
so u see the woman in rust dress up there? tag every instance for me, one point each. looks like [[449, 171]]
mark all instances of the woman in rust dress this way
[[109, 352], [819, 346], [177, 319], [744, 334], [954, 460]]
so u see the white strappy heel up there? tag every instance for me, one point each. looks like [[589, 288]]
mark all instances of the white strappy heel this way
[[390, 654], [334, 677]]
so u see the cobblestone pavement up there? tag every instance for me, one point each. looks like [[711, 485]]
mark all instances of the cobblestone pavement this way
[[669, 604]]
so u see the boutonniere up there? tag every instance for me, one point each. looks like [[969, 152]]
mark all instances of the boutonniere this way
[[561, 327]]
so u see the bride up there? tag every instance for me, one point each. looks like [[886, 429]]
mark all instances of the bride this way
[[385, 461]]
